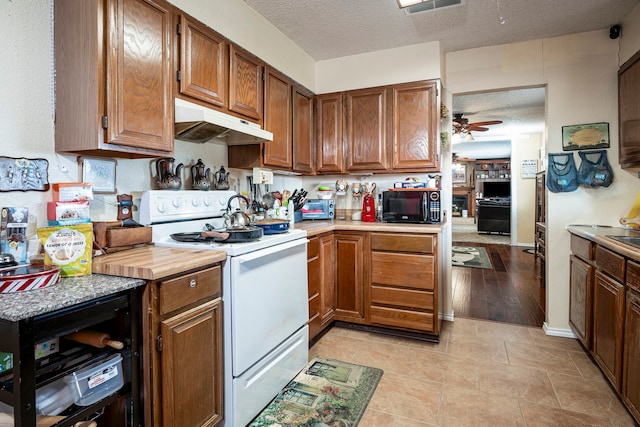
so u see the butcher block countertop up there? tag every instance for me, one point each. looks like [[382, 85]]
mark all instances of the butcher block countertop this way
[[155, 262]]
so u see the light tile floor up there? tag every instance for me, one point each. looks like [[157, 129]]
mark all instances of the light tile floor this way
[[481, 373]]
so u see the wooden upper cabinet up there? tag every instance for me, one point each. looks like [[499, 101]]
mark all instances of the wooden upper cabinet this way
[[366, 129], [415, 133], [203, 67], [329, 140], [113, 77], [302, 132], [629, 112], [246, 86], [277, 119]]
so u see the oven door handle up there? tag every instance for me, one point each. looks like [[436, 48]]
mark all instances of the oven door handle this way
[[272, 250]]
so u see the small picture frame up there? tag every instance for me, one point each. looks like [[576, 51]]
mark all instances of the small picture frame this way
[[99, 172], [585, 137], [458, 172]]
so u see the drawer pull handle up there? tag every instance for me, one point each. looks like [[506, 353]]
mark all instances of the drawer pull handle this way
[[192, 283]]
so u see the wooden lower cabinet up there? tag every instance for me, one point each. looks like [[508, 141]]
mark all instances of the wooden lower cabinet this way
[[403, 291], [581, 279], [183, 350], [608, 324], [631, 365], [350, 275]]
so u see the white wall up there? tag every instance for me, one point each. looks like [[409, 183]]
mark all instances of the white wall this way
[[524, 189], [580, 72]]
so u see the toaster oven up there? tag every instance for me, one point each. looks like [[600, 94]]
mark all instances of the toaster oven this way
[[318, 209]]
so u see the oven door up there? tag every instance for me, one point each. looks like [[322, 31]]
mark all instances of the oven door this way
[[269, 300]]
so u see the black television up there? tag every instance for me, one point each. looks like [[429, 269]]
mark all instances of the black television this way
[[495, 190]]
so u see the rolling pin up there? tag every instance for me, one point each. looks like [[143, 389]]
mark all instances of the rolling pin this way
[[95, 338]]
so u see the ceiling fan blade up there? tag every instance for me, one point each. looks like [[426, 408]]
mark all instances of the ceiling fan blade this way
[[487, 123], [477, 128]]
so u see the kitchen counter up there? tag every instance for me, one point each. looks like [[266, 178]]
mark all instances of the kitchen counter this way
[[112, 273], [67, 292], [155, 262], [599, 233], [314, 228]]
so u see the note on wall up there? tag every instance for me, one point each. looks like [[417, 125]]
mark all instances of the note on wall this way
[[529, 169]]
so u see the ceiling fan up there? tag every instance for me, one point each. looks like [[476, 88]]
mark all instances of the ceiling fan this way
[[462, 125]]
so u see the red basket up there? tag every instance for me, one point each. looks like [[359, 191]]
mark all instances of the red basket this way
[[28, 277]]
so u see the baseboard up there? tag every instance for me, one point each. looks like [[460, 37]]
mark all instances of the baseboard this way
[[565, 333], [447, 317]]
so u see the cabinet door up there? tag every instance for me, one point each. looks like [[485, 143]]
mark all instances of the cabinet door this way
[[608, 318], [350, 275], [328, 292], [302, 118], [581, 299], [277, 119], [192, 386], [367, 129], [203, 62], [329, 140], [415, 131], [139, 97], [631, 369], [629, 112], [246, 87]]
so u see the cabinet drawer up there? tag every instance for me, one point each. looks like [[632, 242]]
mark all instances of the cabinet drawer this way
[[633, 275], [610, 263], [402, 318], [409, 298], [403, 243], [582, 247], [407, 270], [190, 288]]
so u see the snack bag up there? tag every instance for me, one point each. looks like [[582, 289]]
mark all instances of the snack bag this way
[[69, 247]]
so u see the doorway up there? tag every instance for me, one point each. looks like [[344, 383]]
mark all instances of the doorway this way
[[505, 126]]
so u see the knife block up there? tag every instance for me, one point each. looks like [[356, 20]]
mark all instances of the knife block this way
[[112, 237]]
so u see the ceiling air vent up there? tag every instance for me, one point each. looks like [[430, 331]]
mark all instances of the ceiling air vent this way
[[428, 5]]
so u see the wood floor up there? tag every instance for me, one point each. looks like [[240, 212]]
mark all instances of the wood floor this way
[[512, 292]]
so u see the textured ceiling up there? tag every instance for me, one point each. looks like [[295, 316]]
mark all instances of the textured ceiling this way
[[327, 29], [334, 28]]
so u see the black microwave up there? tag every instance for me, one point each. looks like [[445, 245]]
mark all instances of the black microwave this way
[[412, 206]]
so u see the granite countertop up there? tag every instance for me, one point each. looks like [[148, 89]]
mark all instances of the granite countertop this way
[[599, 233], [67, 292], [316, 227]]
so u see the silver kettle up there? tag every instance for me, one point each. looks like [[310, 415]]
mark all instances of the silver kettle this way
[[236, 219]]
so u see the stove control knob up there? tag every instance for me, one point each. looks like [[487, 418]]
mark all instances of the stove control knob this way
[[177, 202], [195, 202], [161, 206], [207, 201]]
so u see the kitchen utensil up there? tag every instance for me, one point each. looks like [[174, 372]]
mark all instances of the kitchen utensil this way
[[273, 226], [95, 339], [167, 178], [230, 235], [237, 219], [268, 199], [200, 176]]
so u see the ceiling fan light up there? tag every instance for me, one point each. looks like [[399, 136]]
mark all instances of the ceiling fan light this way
[[407, 3], [469, 137]]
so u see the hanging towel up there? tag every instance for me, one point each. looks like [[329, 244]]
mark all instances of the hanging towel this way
[[594, 170], [562, 176]]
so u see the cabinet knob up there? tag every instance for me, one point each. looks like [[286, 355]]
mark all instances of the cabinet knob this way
[[192, 283]]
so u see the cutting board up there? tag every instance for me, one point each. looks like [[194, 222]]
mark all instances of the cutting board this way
[[155, 262]]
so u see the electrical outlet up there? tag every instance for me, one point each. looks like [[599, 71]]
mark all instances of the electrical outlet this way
[[262, 176]]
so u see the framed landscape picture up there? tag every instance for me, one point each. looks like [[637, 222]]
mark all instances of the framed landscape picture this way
[[459, 172], [585, 137]]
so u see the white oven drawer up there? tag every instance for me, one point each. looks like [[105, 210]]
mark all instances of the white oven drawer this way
[[259, 385]]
